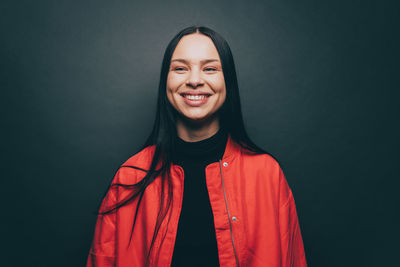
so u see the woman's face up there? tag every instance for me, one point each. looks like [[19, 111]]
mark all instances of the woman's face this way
[[195, 82]]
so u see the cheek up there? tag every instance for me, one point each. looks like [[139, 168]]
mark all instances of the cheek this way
[[218, 83], [170, 96], [223, 97], [169, 83], [173, 82]]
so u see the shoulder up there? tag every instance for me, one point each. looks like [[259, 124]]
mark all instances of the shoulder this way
[[136, 167], [262, 162], [141, 159], [265, 167]]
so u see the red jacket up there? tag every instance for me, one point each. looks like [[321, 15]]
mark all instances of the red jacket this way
[[254, 213]]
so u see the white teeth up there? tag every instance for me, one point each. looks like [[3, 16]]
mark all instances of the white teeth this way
[[195, 97]]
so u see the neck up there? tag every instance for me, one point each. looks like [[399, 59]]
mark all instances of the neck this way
[[193, 132]]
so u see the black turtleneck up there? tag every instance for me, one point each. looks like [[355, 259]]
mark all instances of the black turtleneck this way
[[196, 243]]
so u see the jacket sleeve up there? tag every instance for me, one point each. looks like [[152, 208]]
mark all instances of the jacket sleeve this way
[[292, 249], [102, 251]]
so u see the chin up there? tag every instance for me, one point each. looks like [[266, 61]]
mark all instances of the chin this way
[[198, 118], [194, 118]]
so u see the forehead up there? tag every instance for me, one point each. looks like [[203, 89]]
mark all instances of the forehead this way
[[195, 47]]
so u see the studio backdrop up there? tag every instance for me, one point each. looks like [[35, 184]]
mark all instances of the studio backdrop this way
[[319, 90]]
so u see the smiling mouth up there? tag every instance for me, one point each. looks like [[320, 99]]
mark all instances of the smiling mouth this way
[[195, 97], [195, 100]]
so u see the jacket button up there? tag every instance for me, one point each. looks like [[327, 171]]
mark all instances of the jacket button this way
[[225, 164], [234, 218]]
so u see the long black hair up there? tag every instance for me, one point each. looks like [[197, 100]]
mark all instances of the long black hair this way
[[164, 130]]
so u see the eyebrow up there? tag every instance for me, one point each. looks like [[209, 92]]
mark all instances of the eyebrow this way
[[201, 61]]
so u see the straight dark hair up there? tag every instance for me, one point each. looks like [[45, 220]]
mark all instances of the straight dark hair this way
[[164, 130]]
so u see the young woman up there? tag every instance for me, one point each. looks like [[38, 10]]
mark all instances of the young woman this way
[[199, 192]]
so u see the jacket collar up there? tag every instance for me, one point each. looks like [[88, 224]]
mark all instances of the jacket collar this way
[[232, 149]]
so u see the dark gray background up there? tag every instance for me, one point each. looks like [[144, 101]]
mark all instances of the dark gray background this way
[[317, 79]]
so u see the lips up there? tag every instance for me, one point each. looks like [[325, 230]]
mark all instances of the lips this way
[[195, 100], [195, 94], [195, 97]]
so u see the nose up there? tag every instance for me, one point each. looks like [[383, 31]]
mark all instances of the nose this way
[[194, 79]]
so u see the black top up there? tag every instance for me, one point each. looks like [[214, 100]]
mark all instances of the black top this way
[[196, 243]]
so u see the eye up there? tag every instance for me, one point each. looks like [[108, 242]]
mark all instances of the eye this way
[[179, 69], [208, 69]]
